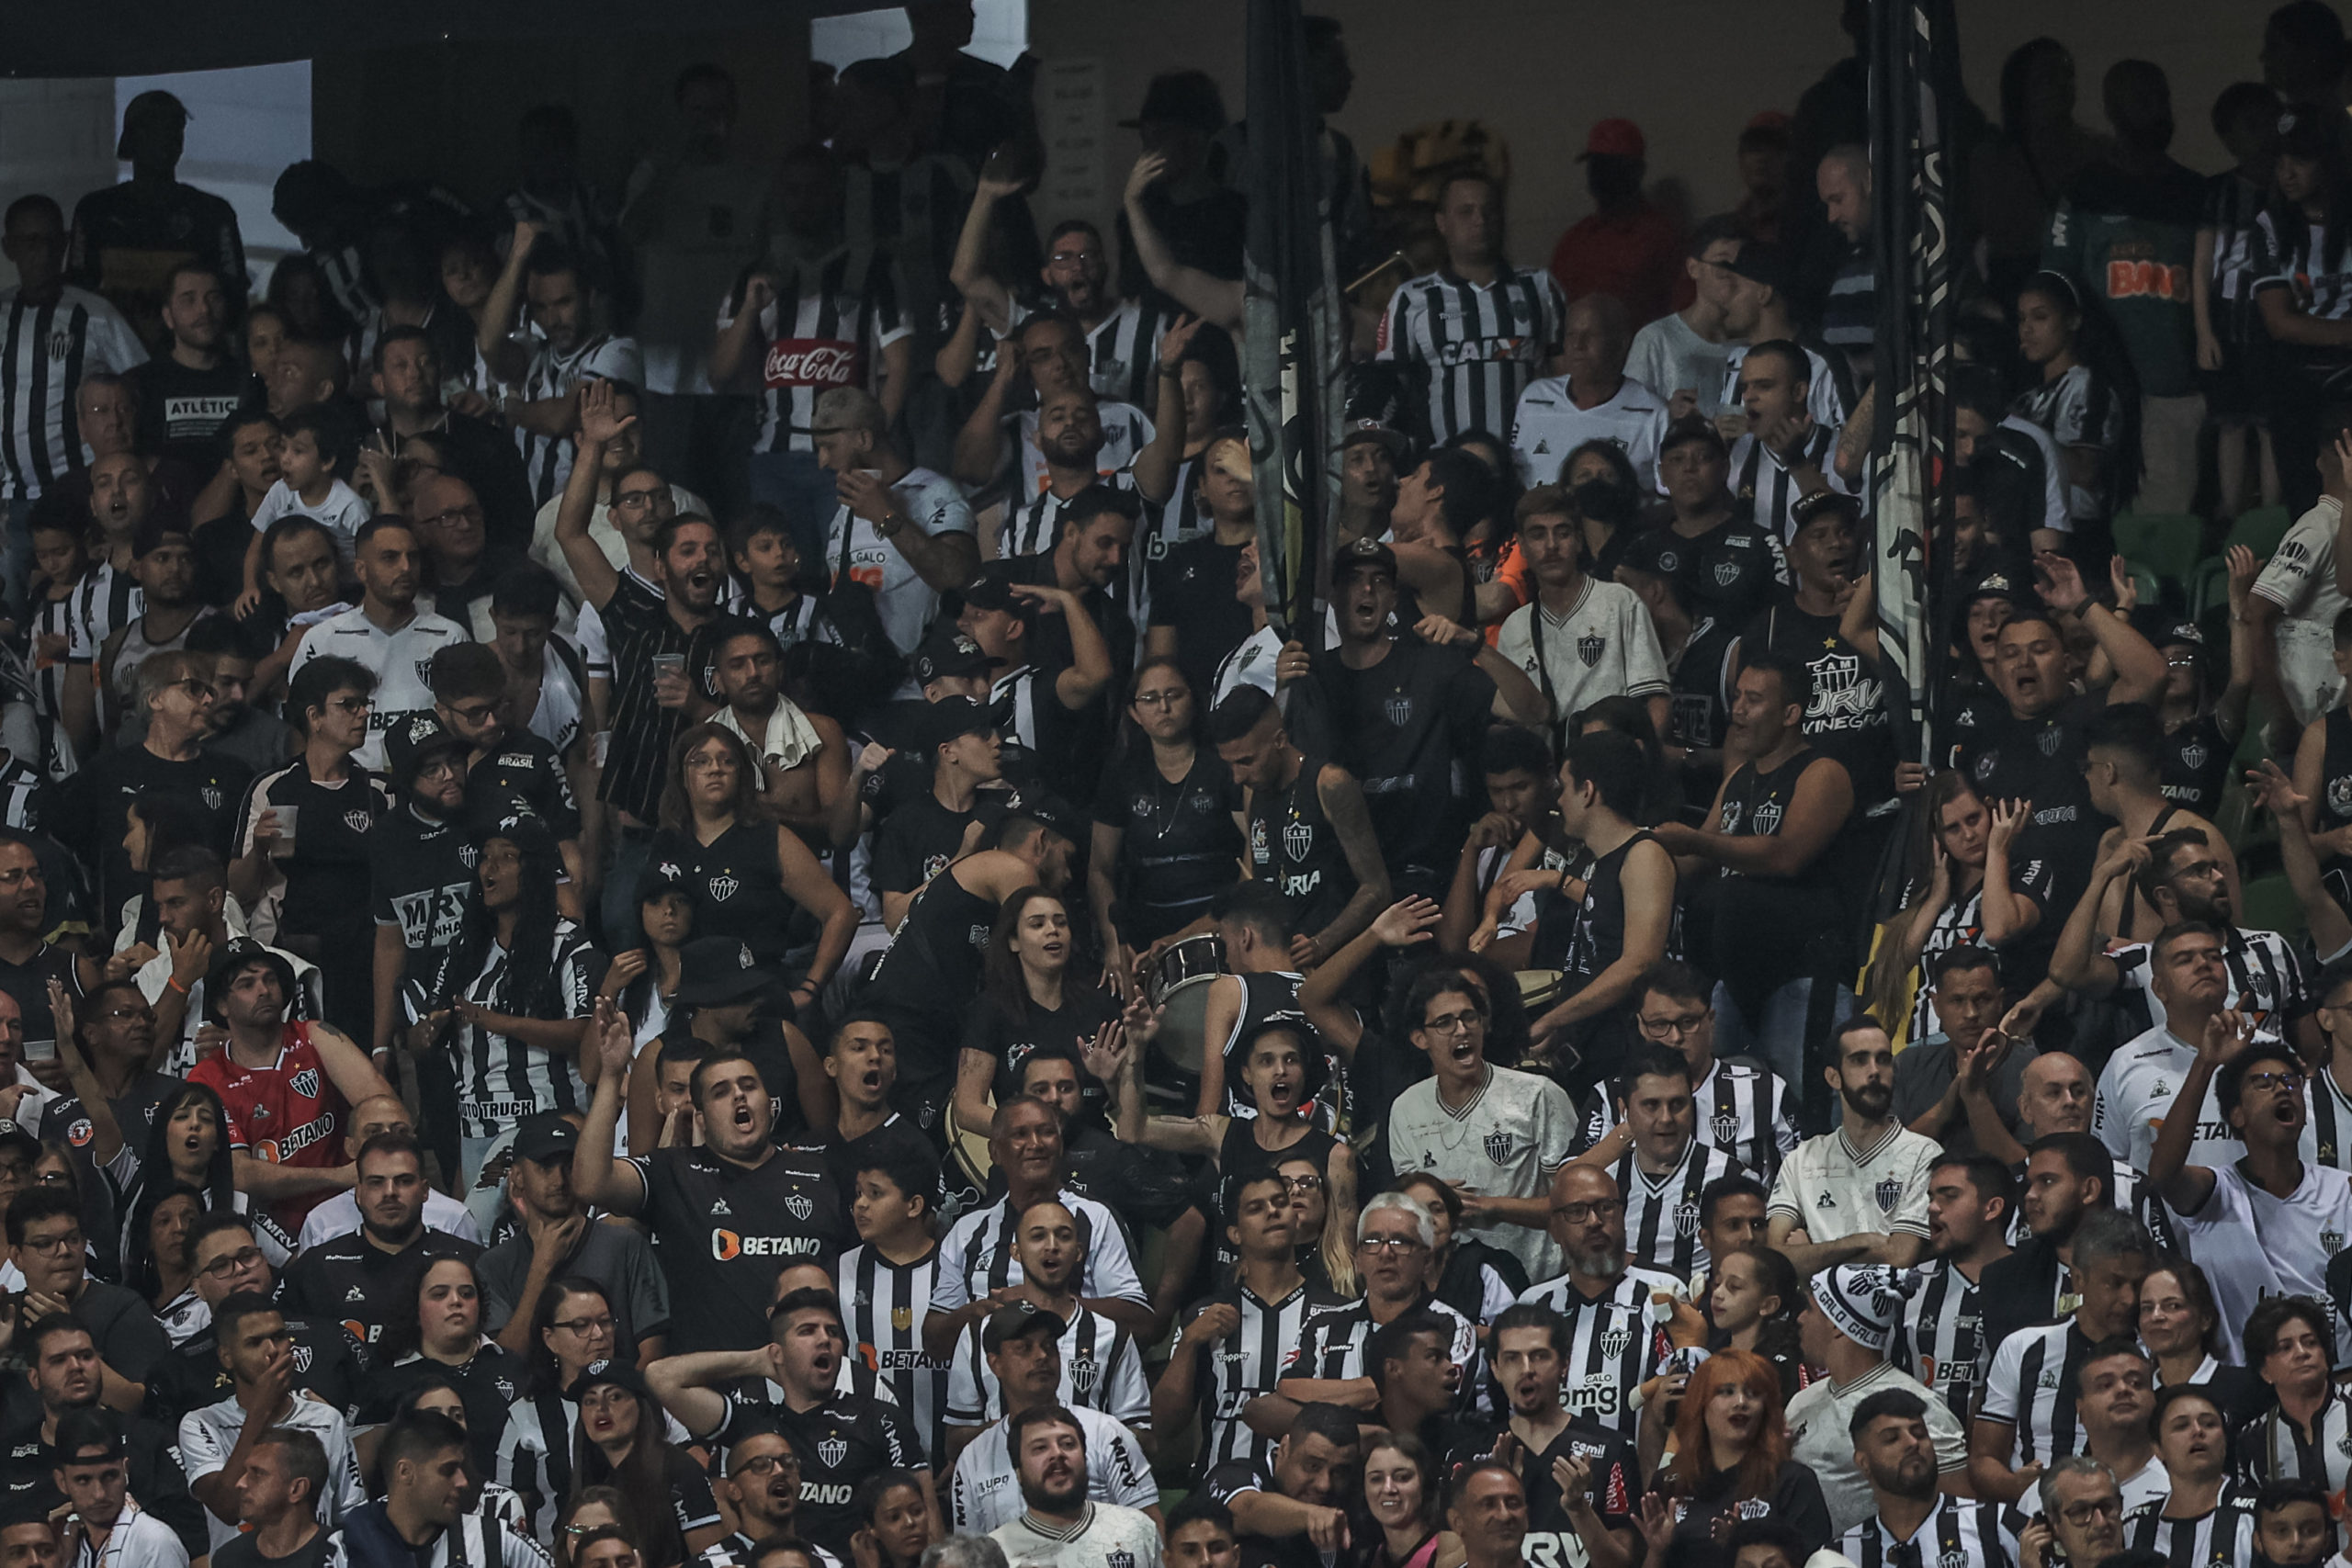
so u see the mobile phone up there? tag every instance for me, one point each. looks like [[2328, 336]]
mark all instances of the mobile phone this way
[[40, 1050]]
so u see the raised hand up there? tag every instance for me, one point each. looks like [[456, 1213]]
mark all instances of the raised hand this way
[[1406, 921], [2242, 570], [1105, 1056], [598, 424], [615, 1039], [2008, 817], [2226, 1033], [865, 494], [2060, 582], [1149, 171], [2272, 788], [2126, 587]]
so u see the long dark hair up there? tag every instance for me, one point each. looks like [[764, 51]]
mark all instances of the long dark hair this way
[[1000, 978], [1776, 1338], [405, 1333], [541, 1372], [147, 1278], [155, 1181], [1629, 716], [676, 814], [528, 987], [644, 1472], [2319, 144], [2114, 385]]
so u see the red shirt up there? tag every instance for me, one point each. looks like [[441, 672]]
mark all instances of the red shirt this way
[[1637, 257], [288, 1114]]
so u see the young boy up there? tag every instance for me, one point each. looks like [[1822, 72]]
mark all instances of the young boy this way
[[767, 576], [60, 561], [319, 450], [2222, 291], [2291, 1528]]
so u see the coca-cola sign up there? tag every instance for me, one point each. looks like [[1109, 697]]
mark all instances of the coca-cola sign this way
[[819, 362]]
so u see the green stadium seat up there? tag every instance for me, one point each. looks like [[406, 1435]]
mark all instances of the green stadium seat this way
[[2272, 905], [2260, 530], [2208, 587], [2167, 543]]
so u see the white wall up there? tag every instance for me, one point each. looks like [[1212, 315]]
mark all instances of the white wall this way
[[245, 125], [1000, 32]]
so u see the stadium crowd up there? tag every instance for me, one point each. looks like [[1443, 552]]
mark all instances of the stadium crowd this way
[[666, 897]]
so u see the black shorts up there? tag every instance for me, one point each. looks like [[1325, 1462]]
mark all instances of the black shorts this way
[[2233, 394]]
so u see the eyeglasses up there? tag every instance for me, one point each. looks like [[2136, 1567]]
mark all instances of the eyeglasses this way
[[2085, 1512], [475, 713], [351, 704], [1585, 1214], [439, 766], [763, 1464], [22, 873], [1389, 1243], [1161, 699], [1309, 1183], [230, 1263], [1450, 1022], [69, 1241], [2182, 661], [2289, 1081], [1061, 257], [1674, 1028], [199, 690], [455, 514], [584, 1327], [122, 1014], [635, 499]]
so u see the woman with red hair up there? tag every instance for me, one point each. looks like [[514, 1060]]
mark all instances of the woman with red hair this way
[[1729, 1465]]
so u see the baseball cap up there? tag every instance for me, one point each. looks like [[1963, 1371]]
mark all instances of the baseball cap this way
[[607, 1374], [1761, 263], [1181, 97], [1398, 444], [1994, 583], [411, 739], [1364, 552], [1017, 1322], [949, 652], [1054, 815], [992, 589], [717, 972], [952, 718], [660, 876], [1613, 139], [13, 1136], [545, 1136], [1694, 426]]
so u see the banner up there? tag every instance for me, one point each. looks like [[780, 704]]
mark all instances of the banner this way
[[1294, 332]]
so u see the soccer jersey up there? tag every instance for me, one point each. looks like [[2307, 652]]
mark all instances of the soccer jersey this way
[[839, 1443], [1959, 1533], [2272, 1447], [1833, 1188], [286, 1113], [2253, 1245], [832, 317], [976, 1258], [855, 551], [353, 1282], [1604, 646], [1820, 1433], [500, 1079], [1940, 1338], [207, 1435], [883, 1308], [2300, 580], [136, 1539], [2266, 979], [1824, 400], [400, 660], [1468, 351], [2032, 1388], [1766, 487], [547, 459], [2221, 1537], [1126, 431], [724, 1231], [1616, 1342], [1513, 1133], [1104, 1536], [1547, 425], [1249, 1362], [2135, 1092], [1662, 1211], [1101, 1369], [1742, 1109], [45, 351], [984, 1490]]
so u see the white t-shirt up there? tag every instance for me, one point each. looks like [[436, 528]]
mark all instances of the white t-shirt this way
[[401, 663], [344, 511], [550, 554], [1106, 1536], [1604, 647], [1514, 1133], [2300, 580], [1819, 1435], [983, 1493], [906, 601], [2135, 1091], [1548, 425], [1832, 1189], [208, 1434], [2252, 1245], [1668, 356]]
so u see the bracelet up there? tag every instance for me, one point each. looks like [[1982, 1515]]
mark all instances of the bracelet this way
[[174, 982]]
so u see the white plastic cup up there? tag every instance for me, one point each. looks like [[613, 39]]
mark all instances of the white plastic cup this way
[[286, 816]]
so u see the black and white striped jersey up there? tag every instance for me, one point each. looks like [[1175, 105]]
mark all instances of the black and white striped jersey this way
[[2221, 1537], [976, 1256], [472, 1541], [1335, 1342], [2330, 1120], [56, 618], [2266, 979], [1467, 350], [501, 1080], [1940, 1336], [883, 1308], [547, 459], [1768, 489], [1125, 348], [1101, 1369], [45, 350], [1031, 527], [1615, 1342], [2033, 1387], [1961, 1533], [2271, 1447], [1662, 1211], [1249, 1362], [1742, 1109], [106, 599], [830, 319]]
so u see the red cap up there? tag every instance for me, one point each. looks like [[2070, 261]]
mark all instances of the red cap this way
[[1614, 138]]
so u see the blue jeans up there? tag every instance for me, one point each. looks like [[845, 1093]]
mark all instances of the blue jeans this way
[[802, 488], [1792, 1037]]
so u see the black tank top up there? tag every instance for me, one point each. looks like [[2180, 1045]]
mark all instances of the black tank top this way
[[1272, 998], [1239, 1158], [1180, 848], [1598, 933], [926, 982], [2333, 809], [1771, 930], [2197, 764], [737, 883], [1294, 846]]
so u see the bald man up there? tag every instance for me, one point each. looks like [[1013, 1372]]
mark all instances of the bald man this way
[[1596, 400], [2054, 1095], [1605, 1296], [339, 1216]]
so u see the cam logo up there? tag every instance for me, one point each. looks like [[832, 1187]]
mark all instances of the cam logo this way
[[1120, 1558], [723, 887], [2049, 740], [1298, 841], [1686, 1219], [2331, 1242], [301, 1358], [212, 797], [1726, 1126], [359, 822], [1497, 1144], [1952, 1560], [800, 1206], [1888, 1192], [1590, 647], [423, 677], [1767, 818], [1986, 764], [832, 1450], [1614, 1341], [1399, 710], [2192, 756], [1083, 1370], [306, 1083]]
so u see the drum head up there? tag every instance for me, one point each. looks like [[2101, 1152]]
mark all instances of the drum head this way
[[970, 1148], [1540, 990], [1183, 1024]]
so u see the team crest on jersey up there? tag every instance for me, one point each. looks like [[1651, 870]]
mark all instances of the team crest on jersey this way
[[212, 797], [1140, 805], [1686, 1219], [2050, 740], [301, 1358], [470, 856], [1120, 1558], [1614, 1340], [1083, 1370], [1888, 1192], [1499, 1145], [1726, 1126], [723, 887], [832, 1450], [359, 822], [2192, 756], [1952, 1560], [424, 671], [1726, 573], [1298, 840], [1590, 647], [1768, 817], [1399, 709], [2331, 1242], [799, 1205], [1985, 762], [306, 1083]]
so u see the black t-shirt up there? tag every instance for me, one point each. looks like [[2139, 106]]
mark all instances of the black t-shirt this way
[[90, 811], [1192, 590], [1008, 1041], [525, 775], [1771, 930], [2197, 764], [27, 986], [724, 1231], [1179, 846], [157, 1478], [327, 886], [737, 885], [245, 1552], [422, 879], [328, 1362], [921, 836], [839, 1443], [1616, 1478], [353, 1282], [487, 1384], [2041, 760], [182, 412], [1732, 570], [1404, 726], [1847, 717], [925, 984]]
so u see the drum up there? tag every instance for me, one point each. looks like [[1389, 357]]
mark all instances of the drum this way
[[1541, 990], [1178, 987], [969, 1147]]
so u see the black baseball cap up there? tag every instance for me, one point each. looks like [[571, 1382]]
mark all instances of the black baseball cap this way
[[1019, 1321], [1361, 553], [607, 1374], [992, 589], [951, 718], [1399, 444], [411, 739], [545, 1136], [1054, 815], [717, 972], [949, 652], [1761, 263]]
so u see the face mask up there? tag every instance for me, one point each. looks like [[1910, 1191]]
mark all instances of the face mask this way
[[1605, 500]]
